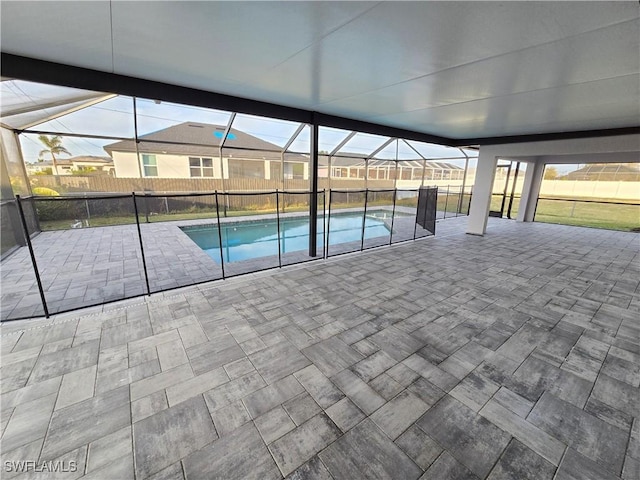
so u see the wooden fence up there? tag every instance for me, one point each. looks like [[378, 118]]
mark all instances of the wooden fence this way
[[103, 183]]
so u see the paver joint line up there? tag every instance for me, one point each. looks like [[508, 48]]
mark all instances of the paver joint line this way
[[341, 368]]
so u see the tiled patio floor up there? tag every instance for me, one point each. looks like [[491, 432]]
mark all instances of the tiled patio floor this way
[[83, 267], [513, 355]]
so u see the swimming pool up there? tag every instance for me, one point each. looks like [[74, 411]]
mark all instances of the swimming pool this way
[[259, 238]]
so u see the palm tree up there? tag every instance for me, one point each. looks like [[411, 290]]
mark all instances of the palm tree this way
[[54, 147]]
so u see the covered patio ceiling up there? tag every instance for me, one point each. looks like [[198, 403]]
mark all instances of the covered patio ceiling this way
[[36, 108], [465, 71]]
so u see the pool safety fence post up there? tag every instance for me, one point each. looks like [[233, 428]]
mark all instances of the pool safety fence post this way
[[415, 226], [328, 227], [324, 222], [313, 223], [446, 202], [313, 197], [146, 207], [364, 218], [278, 227], [144, 261], [86, 206], [219, 235], [393, 214], [513, 191], [25, 230]]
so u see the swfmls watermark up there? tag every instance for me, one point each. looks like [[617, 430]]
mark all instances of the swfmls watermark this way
[[22, 466]]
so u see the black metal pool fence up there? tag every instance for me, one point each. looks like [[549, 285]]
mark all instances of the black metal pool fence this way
[[408, 214]]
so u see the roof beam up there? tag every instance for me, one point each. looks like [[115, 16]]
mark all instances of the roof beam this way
[[342, 144], [293, 137], [43, 106], [69, 110], [380, 148], [414, 149], [227, 130]]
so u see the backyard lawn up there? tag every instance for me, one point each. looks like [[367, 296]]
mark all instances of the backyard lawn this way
[[598, 215]]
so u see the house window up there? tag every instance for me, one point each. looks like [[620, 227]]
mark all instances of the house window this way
[[242, 168], [200, 167], [150, 165]]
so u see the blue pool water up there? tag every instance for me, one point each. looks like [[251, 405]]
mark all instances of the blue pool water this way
[[247, 240]]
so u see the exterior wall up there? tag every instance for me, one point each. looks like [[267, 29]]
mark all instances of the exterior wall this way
[[169, 166], [173, 166], [177, 166], [579, 188], [126, 164], [64, 169]]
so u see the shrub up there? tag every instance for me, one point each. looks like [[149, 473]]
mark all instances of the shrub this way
[[44, 191], [59, 210]]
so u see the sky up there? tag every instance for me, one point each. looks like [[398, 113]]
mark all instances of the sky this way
[[114, 117]]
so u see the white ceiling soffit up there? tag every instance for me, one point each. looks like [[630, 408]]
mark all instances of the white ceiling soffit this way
[[455, 69]]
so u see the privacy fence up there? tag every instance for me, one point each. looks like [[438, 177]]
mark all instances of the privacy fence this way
[[99, 249], [105, 183]]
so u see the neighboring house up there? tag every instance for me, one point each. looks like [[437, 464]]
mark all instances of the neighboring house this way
[[192, 150], [354, 167], [40, 167], [89, 164]]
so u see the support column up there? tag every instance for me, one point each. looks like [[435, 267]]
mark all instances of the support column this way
[[6, 194], [530, 191], [225, 168], [217, 167], [481, 200]]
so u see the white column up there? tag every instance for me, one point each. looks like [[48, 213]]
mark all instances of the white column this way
[[530, 191], [225, 167], [305, 171], [481, 199], [217, 167], [267, 170]]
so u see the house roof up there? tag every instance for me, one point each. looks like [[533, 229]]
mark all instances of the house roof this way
[[605, 171], [202, 139]]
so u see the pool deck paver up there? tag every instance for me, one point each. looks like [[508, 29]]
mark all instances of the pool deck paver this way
[[513, 355], [89, 266]]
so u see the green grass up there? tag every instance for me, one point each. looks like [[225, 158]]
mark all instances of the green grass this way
[[566, 212], [597, 215], [580, 214]]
